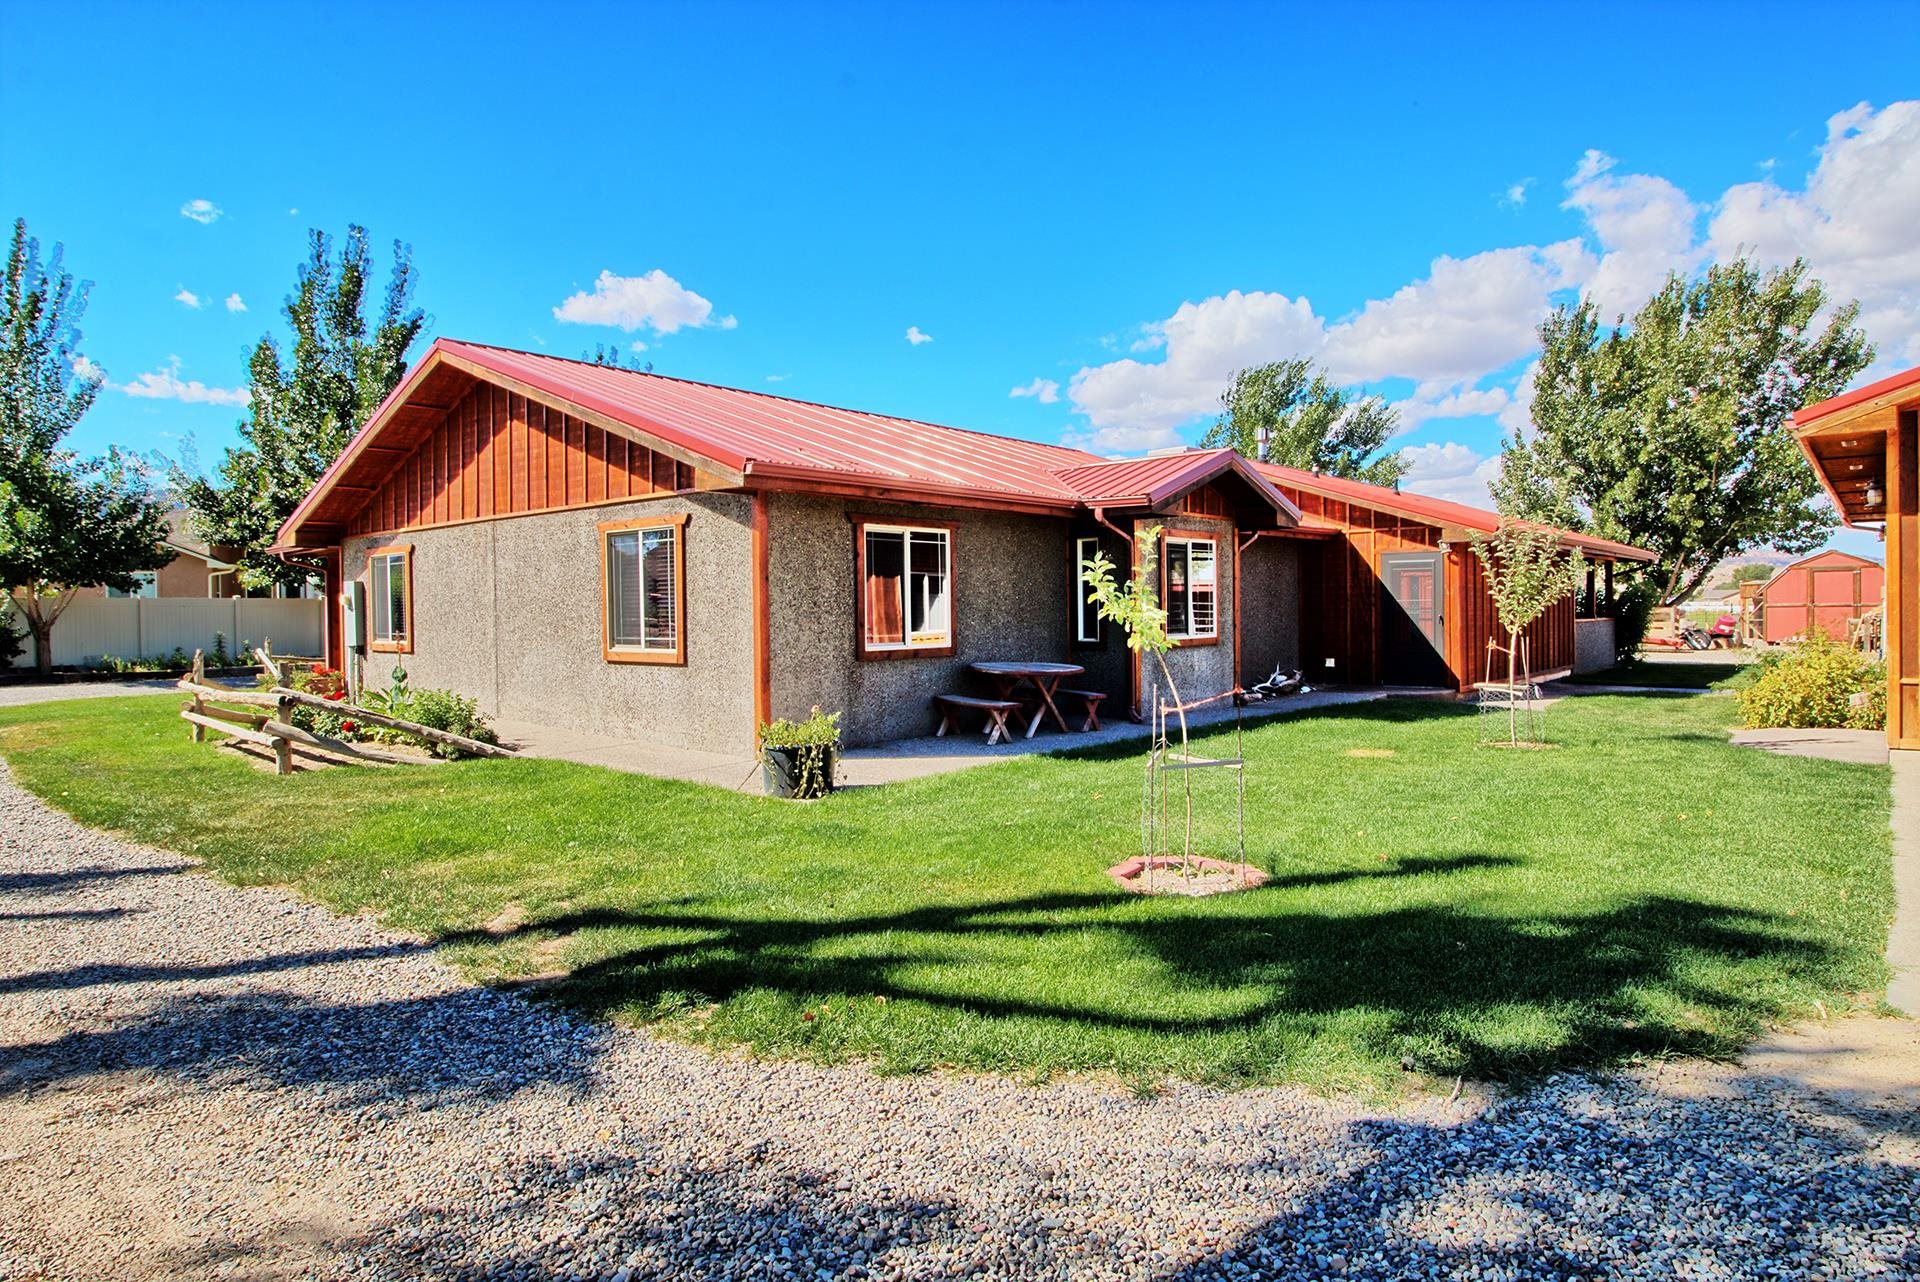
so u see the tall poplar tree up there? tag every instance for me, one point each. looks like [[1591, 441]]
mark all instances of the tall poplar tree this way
[[304, 410], [1290, 413], [1673, 430], [65, 522]]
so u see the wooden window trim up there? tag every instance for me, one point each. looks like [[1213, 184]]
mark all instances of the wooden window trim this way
[[1075, 592], [676, 657], [1201, 536], [861, 651], [405, 552]]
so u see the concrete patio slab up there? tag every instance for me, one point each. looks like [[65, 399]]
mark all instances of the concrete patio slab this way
[[884, 763], [1861, 747]]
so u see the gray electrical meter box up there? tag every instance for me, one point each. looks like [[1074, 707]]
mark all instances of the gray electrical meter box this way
[[355, 604]]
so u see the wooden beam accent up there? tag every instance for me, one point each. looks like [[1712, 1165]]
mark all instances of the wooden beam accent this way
[[339, 747], [1903, 581], [447, 737]]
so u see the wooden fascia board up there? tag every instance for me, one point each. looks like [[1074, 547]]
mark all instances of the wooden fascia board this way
[[1826, 482], [731, 476]]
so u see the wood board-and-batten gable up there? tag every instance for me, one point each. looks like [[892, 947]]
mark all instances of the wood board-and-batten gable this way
[[497, 452]]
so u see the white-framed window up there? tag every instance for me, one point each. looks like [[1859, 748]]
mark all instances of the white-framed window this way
[[906, 588], [1192, 596], [146, 584], [644, 591], [1088, 626], [390, 599]]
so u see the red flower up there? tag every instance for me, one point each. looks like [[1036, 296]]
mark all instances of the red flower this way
[[335, 695], [346, 727]]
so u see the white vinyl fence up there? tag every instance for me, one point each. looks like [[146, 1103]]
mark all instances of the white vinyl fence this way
[[152, 627]]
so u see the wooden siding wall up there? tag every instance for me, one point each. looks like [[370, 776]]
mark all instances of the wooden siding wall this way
[[1344, 580], [496, 453], [1206, 501], [1550, 638]]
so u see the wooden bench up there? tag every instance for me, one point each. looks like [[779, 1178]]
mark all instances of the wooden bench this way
[[997, 710], [1090, 700]]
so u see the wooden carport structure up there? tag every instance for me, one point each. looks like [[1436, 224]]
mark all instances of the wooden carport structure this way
[[1865, 446]]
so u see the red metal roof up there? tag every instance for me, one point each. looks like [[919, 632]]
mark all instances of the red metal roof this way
[[1441, 512], [1155, 479], [1847, 400], [758, 434]]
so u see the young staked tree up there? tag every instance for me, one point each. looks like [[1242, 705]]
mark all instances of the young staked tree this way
[[1135, 607], [1673, 430], [302, 412], [1289, 413], [1527, 571], [65, 522]]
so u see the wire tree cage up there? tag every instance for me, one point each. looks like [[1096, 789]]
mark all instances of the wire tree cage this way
[[1185, 798], [1511, 707]]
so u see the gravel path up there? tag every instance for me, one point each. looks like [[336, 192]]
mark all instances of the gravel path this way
[[199, 1080], [49, 691]]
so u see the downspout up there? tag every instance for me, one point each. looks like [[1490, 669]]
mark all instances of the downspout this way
[[1133, 655]]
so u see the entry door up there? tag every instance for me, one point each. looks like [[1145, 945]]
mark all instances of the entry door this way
[[1413, 631]]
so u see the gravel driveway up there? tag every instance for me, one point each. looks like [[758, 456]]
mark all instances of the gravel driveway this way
[[199, 1080]]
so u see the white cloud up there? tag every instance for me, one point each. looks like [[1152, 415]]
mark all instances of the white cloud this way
[[1645, 227], [187, 298], [1044, 390], [637, 345], [1451, 471], [915, 337], [1516, 195], [1469, 317], [234, 303], [1854, 223], [293, 212], [1516, 417], [201, 211], [166, 385], [84, 368], [1430, 403], [654, 301], [776, 378]]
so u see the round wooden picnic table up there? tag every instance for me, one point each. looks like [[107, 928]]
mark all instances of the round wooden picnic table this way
[[1045, 678]]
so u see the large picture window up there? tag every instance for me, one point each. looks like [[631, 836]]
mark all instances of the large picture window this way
[[906, 589], [1192, 588], [1087, 623], [390, 599], [644, 591]]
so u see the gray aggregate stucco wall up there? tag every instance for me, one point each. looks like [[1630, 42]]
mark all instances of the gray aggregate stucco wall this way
[[1200, 670], [1269, 609], [1010, 602], [509, 612]]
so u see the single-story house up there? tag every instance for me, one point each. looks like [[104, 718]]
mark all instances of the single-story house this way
[[1865, 446], [648, 557]]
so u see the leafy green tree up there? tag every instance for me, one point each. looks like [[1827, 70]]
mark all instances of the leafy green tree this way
[[1289, 413], [1749, 574], [303, 411], [65, 522], [1674, 431]]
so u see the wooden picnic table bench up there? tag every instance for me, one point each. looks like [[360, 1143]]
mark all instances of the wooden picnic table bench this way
[[997, 711], [1090, 701], [1045, 678]]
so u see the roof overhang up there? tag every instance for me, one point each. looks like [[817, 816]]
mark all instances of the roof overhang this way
[[1845, 438], [1124, 484], [409, 415]]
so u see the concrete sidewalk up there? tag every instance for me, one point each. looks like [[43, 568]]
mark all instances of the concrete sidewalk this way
[[882, 763]]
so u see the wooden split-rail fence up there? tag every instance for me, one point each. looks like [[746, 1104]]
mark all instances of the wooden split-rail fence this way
[[274, 730]]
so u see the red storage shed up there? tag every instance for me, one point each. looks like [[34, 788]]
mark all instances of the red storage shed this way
[[1828, 590]]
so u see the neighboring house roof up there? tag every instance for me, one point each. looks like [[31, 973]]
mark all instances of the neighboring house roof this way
[[1441, 512], [742, 438], [180, 539]]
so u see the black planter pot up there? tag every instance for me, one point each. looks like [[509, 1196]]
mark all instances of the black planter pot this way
[[783, 772]]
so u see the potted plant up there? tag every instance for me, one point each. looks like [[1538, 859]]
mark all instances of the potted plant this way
[[797, 757]]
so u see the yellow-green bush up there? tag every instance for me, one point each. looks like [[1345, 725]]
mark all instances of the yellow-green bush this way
[[1813, 687]]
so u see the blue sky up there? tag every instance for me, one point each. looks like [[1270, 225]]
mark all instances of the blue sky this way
[[1107, 208]]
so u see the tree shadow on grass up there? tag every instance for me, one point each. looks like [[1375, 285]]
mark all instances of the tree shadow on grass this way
[[1458, 991]]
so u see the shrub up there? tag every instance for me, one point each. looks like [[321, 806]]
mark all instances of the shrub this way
[[445, 710], [13, 641], [1632, 612], [1813, 686]]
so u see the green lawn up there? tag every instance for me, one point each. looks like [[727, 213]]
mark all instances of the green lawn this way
[[1642, 888], [1712, 674]]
